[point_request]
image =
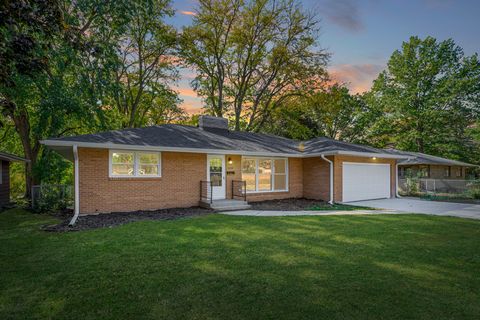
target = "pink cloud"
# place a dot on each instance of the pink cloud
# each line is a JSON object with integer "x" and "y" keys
{"x": 186, "y": 92}
{"x": 358, "y": 77}
{"x": 192, "y": 107}
{"x": 188, "y": 13}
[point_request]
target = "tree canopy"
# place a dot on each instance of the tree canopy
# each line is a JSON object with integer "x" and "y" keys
{"x": 251, "y": 55}
{"x": 428, "y": 98}
{"x": 331, "y": 112}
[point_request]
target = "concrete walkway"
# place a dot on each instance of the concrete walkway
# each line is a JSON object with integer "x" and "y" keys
{"x": 267, "y": 213}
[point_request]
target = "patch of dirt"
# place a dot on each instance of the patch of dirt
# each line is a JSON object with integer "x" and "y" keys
{"x": 292, "y": 204}
{"x": 108, "y": 220}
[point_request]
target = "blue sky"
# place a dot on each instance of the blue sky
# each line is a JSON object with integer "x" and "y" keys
{"x": 362, "y": 34}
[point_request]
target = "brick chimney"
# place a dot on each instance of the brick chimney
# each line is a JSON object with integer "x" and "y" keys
{"x": 210, "y": 122}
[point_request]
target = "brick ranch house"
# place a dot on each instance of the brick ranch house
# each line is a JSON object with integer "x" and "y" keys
{"x": 176, "y": 166}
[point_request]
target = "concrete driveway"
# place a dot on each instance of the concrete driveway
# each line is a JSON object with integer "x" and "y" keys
{"x": 463, "y": 210}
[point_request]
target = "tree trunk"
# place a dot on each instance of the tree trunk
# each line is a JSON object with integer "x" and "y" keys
{"x": 420, "y": 145}
{"x": 22, "y": 126}
{"x": 419, "y": 140}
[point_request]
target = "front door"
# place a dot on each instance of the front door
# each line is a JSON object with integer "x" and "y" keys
{"x": 216, "y": 175}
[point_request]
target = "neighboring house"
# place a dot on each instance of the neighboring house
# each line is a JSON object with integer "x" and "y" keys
{"x": 449, "y": 175}
{"x": 5, "y": 159}
{"x": 176, "y": 166}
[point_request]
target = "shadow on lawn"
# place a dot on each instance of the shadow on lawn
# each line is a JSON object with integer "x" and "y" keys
{"x": 223, "y": 267}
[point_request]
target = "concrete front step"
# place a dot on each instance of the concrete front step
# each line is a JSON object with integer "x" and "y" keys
{"x": 225, "y": 205}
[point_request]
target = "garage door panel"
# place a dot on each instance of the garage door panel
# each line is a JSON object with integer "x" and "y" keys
{"x": 365, "y": 181}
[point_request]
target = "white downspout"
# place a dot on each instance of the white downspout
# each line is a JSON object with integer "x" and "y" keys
{"x": 331, "y": 177}
{"x": 76, "y": 187}
{"x": 396, "y": 180}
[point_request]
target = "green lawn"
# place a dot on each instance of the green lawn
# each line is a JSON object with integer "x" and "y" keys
{"x": 230, "y": 267}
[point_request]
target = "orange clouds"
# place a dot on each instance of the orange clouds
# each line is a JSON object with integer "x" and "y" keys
{"x": 188, "y": 13}
{"x": 192, "y": 103}
{"x": 186, "y": 92}
{"x": 192, "y": 107}
{"x": 359, "y": 78}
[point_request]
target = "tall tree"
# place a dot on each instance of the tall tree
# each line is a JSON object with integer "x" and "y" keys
{"x": 427, "y": 97}
{"x": 27, "y": 32}
{"x": 332, "y": 112}
{"x": 205, "y": 46}
{"x": 251, "y": 55}
{"x": 146, "y": 62}
{"x": 59, "y": 72}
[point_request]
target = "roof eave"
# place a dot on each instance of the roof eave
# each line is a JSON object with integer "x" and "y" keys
{"x": 461, "y": 164}
{"x": 356, "y": 154}
{"x": 13, "y": 158}
{"x": 62, "y": 143}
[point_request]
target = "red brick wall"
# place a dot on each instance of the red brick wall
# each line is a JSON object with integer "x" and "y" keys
{"x": 316, "y": 178}
{"x": 179, "y": 185}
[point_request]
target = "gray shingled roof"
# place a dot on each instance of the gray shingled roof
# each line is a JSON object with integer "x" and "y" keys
{"x": 181, "y": 136}
{"x": 324, "y": 144}
{"x": 422, "y": 158}
{"x": 190, "y": 137}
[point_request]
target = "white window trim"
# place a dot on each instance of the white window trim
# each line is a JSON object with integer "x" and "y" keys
{"x": 273, "y": 174}
{"x": 135, "y": 165}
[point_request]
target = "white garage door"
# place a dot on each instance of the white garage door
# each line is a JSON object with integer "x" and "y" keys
{"x": 364, "y": 181}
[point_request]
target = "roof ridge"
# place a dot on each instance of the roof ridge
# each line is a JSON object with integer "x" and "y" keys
{"x": 347, "y": 143}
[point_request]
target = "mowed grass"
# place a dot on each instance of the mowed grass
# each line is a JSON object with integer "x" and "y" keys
{"x": 226, "y": 267}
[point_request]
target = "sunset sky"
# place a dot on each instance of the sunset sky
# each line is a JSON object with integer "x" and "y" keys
{"x": 362, "y": 34}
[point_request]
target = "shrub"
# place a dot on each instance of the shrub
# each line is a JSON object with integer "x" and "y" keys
{"x": 411, "y": 182}
{"x": 474, "y": 189}
{"x": 51, "y": 199}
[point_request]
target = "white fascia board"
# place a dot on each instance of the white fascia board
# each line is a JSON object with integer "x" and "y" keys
{"x": 58, "y": 143}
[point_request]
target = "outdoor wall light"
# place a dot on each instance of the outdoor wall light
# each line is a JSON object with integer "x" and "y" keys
{"x": 374, "y": 158}
{"x": 230, "y": 160}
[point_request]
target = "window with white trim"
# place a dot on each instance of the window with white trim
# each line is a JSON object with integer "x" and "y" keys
{"x": 124, "y": 163}
{"x": 249, "y": 173}
{"x": 280, "y": 176}
{"x": 265, "y": 174}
